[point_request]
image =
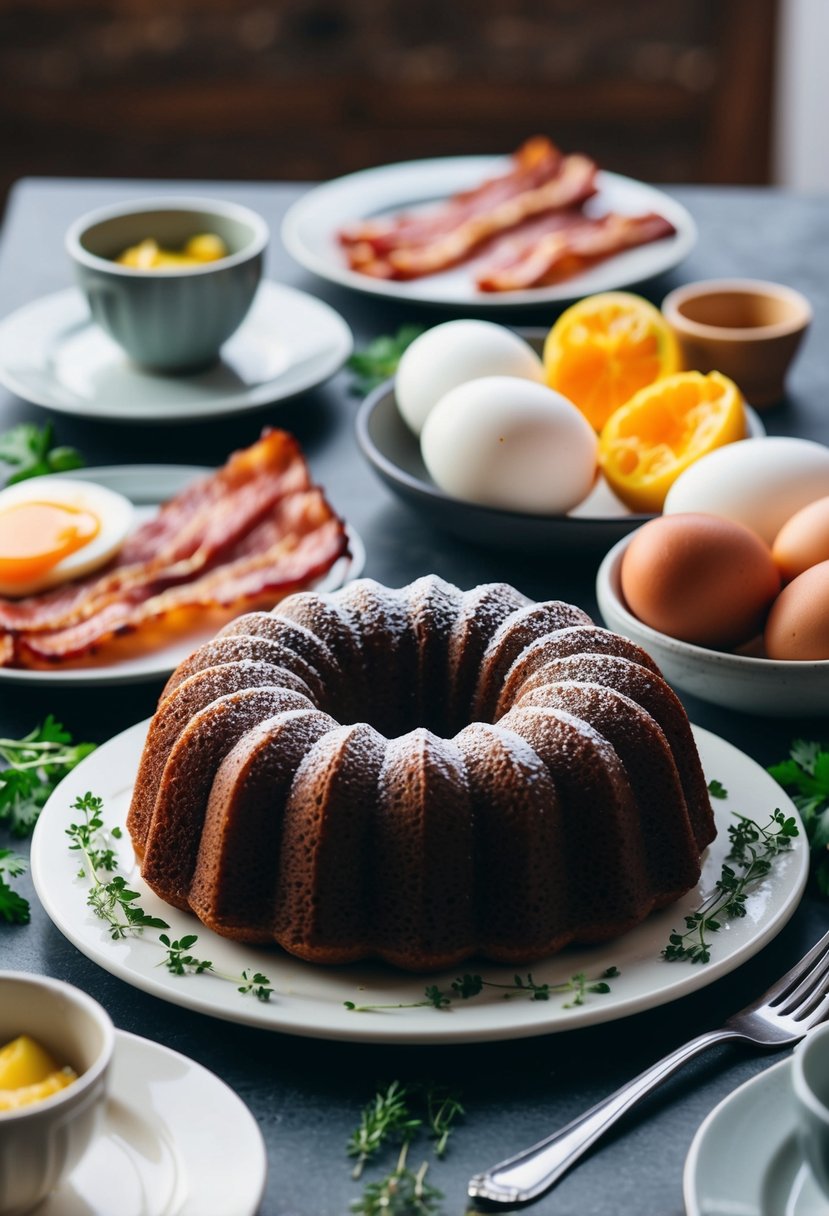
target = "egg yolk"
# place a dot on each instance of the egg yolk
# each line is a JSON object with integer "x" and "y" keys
{"x": 36, "y": 536}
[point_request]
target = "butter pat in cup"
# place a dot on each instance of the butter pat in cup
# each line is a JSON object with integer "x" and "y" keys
{"x": 810, "y": 1078}
{"x": 40, "y": 1143}
{"x": 747, "y": 329}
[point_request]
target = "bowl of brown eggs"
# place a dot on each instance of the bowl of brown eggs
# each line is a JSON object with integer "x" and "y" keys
{"x": 728, "y": 590}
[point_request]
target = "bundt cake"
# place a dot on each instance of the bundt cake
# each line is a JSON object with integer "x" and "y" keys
{"x": 419, "y": 775}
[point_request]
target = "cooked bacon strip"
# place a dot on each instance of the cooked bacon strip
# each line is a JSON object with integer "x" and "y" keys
{"x": 536, "y": 161}
{"x": 574, "y": 184}
{"x": 190, "y": 532}
{"x": 262, "y": 530}
{"x": 560, "y": 254}
{"x": 300, "y": 542}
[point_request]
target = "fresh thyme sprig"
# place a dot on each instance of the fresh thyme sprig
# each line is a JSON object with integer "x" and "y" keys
{"x": 403, "y": 1192}
{"x": 178, "y": 961}
{"x": 34, "y": 766}
{"x": 14, "y": 907}
{"x": 115, "y": 903}
{"x": 465, "y": 987}
{"x": 379, "y": 360}
{"x": 805, "y": 775}
{"x": 753, "y": 851}
{"x": 387, "y": 1116}
{"x": 443, "y": 1107}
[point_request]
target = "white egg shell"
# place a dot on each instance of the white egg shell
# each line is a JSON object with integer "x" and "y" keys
{"x": 509, "y": 443}
{"x": 114, "y": 512}
{"x": 757, "y": 482}
{"x": 452, "y": 353}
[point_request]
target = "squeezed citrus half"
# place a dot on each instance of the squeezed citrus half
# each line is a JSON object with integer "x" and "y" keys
{"x": 647, "y": 443}
{"x": 605, "y": 348}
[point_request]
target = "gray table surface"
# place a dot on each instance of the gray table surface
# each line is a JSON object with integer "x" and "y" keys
{"x": 307, "y": 1095}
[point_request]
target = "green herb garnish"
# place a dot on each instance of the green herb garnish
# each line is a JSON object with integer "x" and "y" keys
{"x": 403, "y": 1192}
{"x": 378, "y": 361}
{"x": 36, "y": 763}
{"x": 30, "y": 451}
{"x": 387, "y": 1116}
{"x": 716, "y": 789}
{"x": 753, "y": 852}
{"x": 443, "y": 1107}
{"x": 805, "y": 775}
{"x": 14, "y": 908}
{"x": 114, "y": 902}
{"x": 467, "y": 986}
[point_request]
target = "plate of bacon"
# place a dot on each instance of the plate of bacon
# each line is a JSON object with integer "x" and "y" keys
{"x": 205, "y": 545}
{"x": 539, "y": 226}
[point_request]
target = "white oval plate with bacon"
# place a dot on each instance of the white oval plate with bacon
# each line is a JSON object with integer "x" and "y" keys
{"x": 488, "y": 231}
{"x": 159, "y": 629}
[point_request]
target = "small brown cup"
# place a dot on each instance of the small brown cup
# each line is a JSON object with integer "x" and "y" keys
{"x": 745, "y": 328}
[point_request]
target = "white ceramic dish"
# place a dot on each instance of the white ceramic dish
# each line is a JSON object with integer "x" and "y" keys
{"x": 174, "y": 1141}
{"x": 773, "y": 687}
{"x": 147, "y": 486}
{"x": 745, "y": 1159}
{"x": 309, "y": 1000}
{"x": 309, "y": 231}
{"x": 53, "y": 354}
{"x": 393, "y": 451}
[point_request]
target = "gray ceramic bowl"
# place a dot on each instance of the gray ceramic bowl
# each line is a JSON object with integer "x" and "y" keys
{"x": 42, "y": 1142}
{"x": 169, "y": 320}
{"x": 769, "y": 687}
{"x": 393, "y": 451}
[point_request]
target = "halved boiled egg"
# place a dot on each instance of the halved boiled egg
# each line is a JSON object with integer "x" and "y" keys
{"x": 53, "y": 529}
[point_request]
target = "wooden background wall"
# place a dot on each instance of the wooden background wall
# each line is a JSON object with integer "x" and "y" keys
{"x": 666, "y": 90}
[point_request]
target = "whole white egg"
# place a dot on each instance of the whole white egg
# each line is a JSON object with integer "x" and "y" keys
{"x": 452, "y": 353}
{"x": 510, "y": 443}
{"x": 757, "y": 482}
{"x": 54, "y": 529}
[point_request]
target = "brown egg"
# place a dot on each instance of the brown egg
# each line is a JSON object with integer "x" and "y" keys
{"x": 798, "y": 624}
{"x": 803, "y": 541}
{"x": 699, "y": 578}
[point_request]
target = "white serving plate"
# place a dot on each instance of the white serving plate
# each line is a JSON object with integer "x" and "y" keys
{"x": 309, "y": 1000}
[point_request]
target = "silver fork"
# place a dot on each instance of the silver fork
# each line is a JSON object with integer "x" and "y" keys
{"x": 781, "y": 1017}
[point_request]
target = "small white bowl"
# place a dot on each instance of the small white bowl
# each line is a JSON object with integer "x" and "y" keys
{"x": 768, "y": 687}
{"x": 41, "y": 1143}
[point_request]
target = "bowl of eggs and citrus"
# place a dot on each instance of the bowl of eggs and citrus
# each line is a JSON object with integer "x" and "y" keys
{"x": 55, "y": 529}
{"x": 728, "y": 590}
{"x": 570, "y": 437}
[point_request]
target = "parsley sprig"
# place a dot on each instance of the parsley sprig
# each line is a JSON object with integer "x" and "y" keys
{"x": 464, "y": 987}
{"x": 34, "y": 766}
{"x": 379, "y": 360}
{"x": 111, "y": 899}
{"x": 30, "y": 450}
{"x": 753, "y": 851}
{"x": 14, "y": 908}
{"x": 805, "y": 775}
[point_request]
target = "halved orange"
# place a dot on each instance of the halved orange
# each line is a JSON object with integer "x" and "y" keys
{"x": 605, "y": 348}
{"x": 646, "y": 444}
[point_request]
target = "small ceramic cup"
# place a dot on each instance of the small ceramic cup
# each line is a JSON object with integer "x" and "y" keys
{"x": 42, "y": 1142}
{"x": 810, "y": 1079}
{"x": 169, "y": 320}
{"x": 745, "y": 328}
